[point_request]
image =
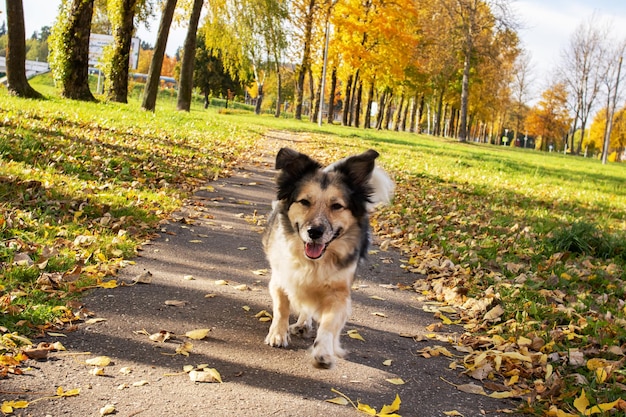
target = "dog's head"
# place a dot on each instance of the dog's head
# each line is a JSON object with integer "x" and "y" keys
{"x": 321, "y": 205}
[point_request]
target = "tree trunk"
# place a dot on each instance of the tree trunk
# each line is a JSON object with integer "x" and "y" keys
{"x": 387, "y": 113}
{"x": 75, "y": 80}
{"x": 357, "y": 107}
{"x": 413, "y": 113}
{"x": 154, "y": 73}
{"x": 317, "y": 107}
{"x": 355, "y": 82}
{"x": 185, "y": 84}
{"x": 259, "y": 99}
{"x": 368, "y": 109}
{"x": 381, "y": 110}
{"x": 306, "y": 59}
{"x": 465, "y": 94}
{"x": 398, "y": 114}
{"x": 346, "y": 102}
{"x": 16, "y": 52}
{"x": 420, "y": 111}
{"x": 117, "y": 78}
{"x": 331, "y": 96}
{"x": 279, "y": 88}
{"x": 438, "y": 115}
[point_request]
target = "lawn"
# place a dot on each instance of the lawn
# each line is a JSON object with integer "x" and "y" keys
{"x": 523, "y": 251}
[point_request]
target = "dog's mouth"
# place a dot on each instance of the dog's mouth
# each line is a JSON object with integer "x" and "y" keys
{"x": 314, "y": 250}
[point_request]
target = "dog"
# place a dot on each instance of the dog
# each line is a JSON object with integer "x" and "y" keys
{"x": 316, "y": 234}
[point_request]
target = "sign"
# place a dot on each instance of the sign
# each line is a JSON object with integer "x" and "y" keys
{"x": 97, "y": 42}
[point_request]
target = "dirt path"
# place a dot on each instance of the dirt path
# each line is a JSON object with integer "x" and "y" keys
{"x": 214, "y": 240}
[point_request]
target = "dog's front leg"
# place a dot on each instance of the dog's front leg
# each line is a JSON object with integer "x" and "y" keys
{"x": 279, "y": 330}
{"x": 327, "y": 346}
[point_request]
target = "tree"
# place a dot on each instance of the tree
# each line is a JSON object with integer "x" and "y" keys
{"x": 117, "y": 57}
{"x": 582, "y": 72}
{"x": 16, "y": 52}
{"x": 69, "y": 49}
{"x": 475, "y": 18}
{"x": 209, "y": 75}
{"x": 612, "y": 78}
{"x": 550, "y": 119}
{"x": 520, "y": 85}
{"x": 154, "y": 73}
{"x": 185, "y": 84}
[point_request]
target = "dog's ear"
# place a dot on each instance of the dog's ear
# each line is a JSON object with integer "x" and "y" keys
{"x": 293, "y": 165}
{"x": 358, "y": 168}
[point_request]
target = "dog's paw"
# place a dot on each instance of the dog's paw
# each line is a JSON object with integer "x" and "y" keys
{"x": 323, "y": 361}
{"x": 302, "y": 330}
{"x": 277, "y": 339}
{"x": 323, "y": 355}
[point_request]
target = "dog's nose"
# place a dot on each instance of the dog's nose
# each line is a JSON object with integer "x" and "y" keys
{"x": 315, "y": 232}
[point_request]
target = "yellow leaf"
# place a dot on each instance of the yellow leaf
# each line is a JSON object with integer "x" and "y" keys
{"x": 453, "y": 413}
{"x": 601, "y": 408}
{"x": 502, "y": 394}
{"x": 338, "y": 400}
{"x": 246, "y": 308}
{"x": 206, "y": 375}
{"x": 107, "y": 410}
{"x": 97, "y": 371}
{"x": 100, "y": 361}
{"x": 392, "y": 408}
{"x": 185, "y": 348}
{"x": 601, "y": 375}
{"x": 387, "y": 362}
{"x": 581, "y": 403}
{"x": 555, "y": 412}
{"x": 109, "y": 284}
{"x": 7, "y": 407}
{"x": 355, "y": 335}
{"x": 366, "y": 409}
{"x": 70, "y": 393}
{"x": 197, "y": 334}
{"x": 566, "y": 276}
{"x": 595, "y": 363}
{"x": 395, "y": 381}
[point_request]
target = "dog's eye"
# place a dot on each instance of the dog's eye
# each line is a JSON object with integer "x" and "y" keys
{"x": 305, "y": 202}
{"x": 336, "y": 207}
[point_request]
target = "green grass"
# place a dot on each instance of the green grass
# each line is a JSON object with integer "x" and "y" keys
{"x": 82, "y": 184}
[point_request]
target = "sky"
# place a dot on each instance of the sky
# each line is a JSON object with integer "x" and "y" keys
{"x": 547, "y": 26}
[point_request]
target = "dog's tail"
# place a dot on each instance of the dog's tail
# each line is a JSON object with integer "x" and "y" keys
{"x": 383, "y": 188}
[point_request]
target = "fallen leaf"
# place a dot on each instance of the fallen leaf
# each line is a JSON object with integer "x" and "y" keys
{"x": 100, "y": 361}
{"x": 355, "y": 335}
{"x": 185, "y": 348}
{"x": 197, "y": 334}
{"x": 221, "y": 282}
{"x": 161, "y": 336}
{"x": 95, "y": 320}
{"x": 97, "y": 371}
{"x": 107, "y": 409}
{"x": 70, "y": 393}
{"x": 395, "y": 381}
{"x": 108, "y": 284}
{"x": 581, "y": 403}
{"x": 140, "y": 383}
{"x": 392, "y": 408}
{"x": 175, "y": 303}
{"x": 242, "y": 287}
{"x": 126, "y": 370}
{"x": 453, "y": 413}
{"x": 338, "y": 400}
{"x": 387, "y": 362}
{"x": 206, "y": 375}
{"x": 8, "y": 407}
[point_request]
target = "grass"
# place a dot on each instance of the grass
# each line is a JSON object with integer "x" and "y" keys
{"x": 543, "y": 235}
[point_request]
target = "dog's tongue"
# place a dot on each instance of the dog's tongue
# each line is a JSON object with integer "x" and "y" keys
{"x": 313, "y": 250}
